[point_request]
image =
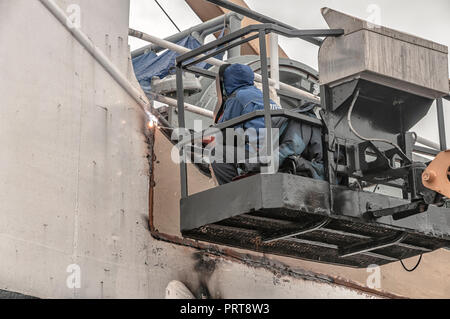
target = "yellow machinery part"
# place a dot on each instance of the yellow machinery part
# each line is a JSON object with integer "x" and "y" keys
{"x": 437, "y": 176}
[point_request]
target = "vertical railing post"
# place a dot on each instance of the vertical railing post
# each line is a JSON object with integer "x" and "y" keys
{"x": 235, "y": 24}
{"x": 266, "y": 94}
{"x": 441, "y": 124}
{"x": 274, "y": 60}
{"x": 181, "y": 126}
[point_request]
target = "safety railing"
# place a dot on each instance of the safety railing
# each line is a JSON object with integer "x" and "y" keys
{"x": 187, "y": 62}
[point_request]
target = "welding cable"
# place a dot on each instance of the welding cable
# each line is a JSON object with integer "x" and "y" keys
{"x": 168, "y": 16}
{"x": 349, "y": 120}
{"x": 415, "y": 267}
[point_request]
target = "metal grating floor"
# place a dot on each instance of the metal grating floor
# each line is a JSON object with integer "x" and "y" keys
{"x": 258, "y": 233}
{"x": 304, "y": 233}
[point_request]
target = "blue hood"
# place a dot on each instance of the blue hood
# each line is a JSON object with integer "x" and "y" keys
{"x": 237, "y": 76}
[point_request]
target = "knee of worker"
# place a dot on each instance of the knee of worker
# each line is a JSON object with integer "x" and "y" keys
{"x": 224, "y": 173}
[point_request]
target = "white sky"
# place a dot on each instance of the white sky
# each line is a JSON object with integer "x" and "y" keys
{"x": 426, "y": 19}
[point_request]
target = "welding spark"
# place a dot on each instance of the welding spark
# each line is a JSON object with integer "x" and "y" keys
{"x": 153, "y": 121}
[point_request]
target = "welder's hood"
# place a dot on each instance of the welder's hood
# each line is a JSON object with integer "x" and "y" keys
{"x": 237, "y": 76}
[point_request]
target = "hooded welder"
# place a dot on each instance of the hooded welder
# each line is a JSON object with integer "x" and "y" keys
{"x": 237, "y": 96}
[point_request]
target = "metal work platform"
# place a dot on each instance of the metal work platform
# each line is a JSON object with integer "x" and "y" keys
{"x": 329, "y": 221}
{"x": 302, "y": 218}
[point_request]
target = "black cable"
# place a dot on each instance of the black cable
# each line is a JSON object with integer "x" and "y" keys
{"x": 349, "y": 121}
{"x": 415, "y": 267}
{"x": 168, "y": 16}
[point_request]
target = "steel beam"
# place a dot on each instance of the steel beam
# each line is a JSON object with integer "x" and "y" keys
{"x": 286, "y": 235}
{"x": 268, "y": 28}
{"x": 343, "y": 233}
{"x": 182, "y": 124}
{"x": 250, "y": 116}
{"x": 274, "y": 113}
{"x": 361, "y": 248}
{"x": 261, "y": 18}
{"x": 425, "y": 150}
{"x": 406, "y": 209}
{"x": 414, "y": 247}
{"x": 379, "y": 256}
{"x": 218, "y": 51}
{"x": 332, "y": 246}
{"x": 312, "y": 243}
{"x": 441, "y": 124}
{"x": 235, "y": 24}
{"x": 274, "y": 60}
{"x": 359, "y": 236}
{"x": 426, "y": 142}
{"x": 266, "y": 98}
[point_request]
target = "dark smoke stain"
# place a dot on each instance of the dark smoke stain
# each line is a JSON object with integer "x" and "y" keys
{"x": 145, "y": 221}
{"x": 205, "y": 267}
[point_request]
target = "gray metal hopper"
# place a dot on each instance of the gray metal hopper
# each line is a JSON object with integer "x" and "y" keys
{"x": 383, "y": 56}
{"x": 398, "y": 76}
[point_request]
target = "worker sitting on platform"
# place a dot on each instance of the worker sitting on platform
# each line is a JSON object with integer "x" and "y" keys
{"x": 300, "y": 145}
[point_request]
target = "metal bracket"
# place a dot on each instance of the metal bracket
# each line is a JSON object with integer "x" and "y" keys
{"x": 362, "y": 248}
{"x": 399, "y": 212}
{"x": 286, "y": 235}
{"x": 383, "y": 166}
